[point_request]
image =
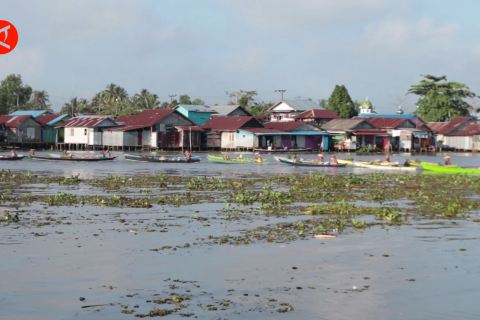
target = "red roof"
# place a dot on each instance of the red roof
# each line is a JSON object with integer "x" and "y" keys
{"x": 226, "y": 123}
{"x": 382, "y": 122}
{"x": 187, "y": 128}
{"x": 83, "y": 122}
{"x": 283, "y": 126}
{"x": 317, "y": 114}
{"x": 146, "y": 118}
{"x": 452, "y": 125}
{"x": 125, "y": 128}
{"x": 436, "y": 126}
{"x": 13, "y": 121}
{"x": 470, "y": 130}
{"x": 260, "y": 130}
{"x": 46, "y": 118}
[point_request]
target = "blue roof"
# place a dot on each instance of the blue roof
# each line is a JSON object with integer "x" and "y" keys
{"x": 370, "y": 115}
{"x": 196, "y": 108}
{"x": 57, "y": 119}
{"x": 33, "y": 113}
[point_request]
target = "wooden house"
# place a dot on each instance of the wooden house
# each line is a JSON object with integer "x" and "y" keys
{"x": 296, "y": 135}
{"x": 444, "y": 130}
{"x": 84, "y": 132}
{"x": 20, "y": 129}
{"x": 49, "y": 123}
{"x": 466, "y": 139}
{"x": 316, "y": 116}
{"x": 286, "y": 110}
{"x": 224, "y": 133}
{"x": 154, "y": 129}
{"x": 199, "y": 114}
{"x": 350, "y": 134}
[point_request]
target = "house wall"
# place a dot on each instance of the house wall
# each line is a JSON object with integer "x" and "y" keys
{"x": 146, "y": 137}
{"x": 214, "y": 140}
{"x": 458, "y": 142}
{"x": 195, "y": 137}
{"x": 245, "y": 139}
{"x": 113, "y": 138}
{"x": 76, "y": 135}
{"x": 27, "y": 131}
{"x": 300, "y": 141}
{"x": 198, "y": 117}
{"x": 168, "y": 140}
{"x": 238, "y": 112}
{"x": 228, "y": 140}
{"x": 314, "y": 142}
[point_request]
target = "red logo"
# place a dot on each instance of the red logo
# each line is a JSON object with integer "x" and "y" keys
{"x": 8, "y": 37}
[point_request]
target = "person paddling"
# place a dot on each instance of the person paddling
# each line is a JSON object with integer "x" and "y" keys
{"x": 320, "y": 158}
{"x": 334, "y": 160}
{"x": 407, "y": 163}
{"x": 14, "y": 154}
{"x": 387, "y": 158}
{"x": 188, "y": 156}
{"x": 447, "y": 161}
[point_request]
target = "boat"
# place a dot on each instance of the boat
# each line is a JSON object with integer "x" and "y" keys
{"x": 373, "y": 166}
{"x": 419, "y": 164}
{"x": 449, "y": 170}
{"x": 311, "y": 163}
{"x": 10, "y": 158}
{"x": 87, "y": 159}
{"x": 379, "y": 163}
{"x": 283, "y": 150}
{"x": 227, "y": 160}
{"x": 345, "y": 161}
{"x": 162, "y": 159}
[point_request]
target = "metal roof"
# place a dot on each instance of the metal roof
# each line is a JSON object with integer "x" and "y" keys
{"x": 386, "y": 122}
{"x": 225, "y": 110}
{"x": 283, "y": 126}
{"x": 317, "y": 114}
{"x": 297, "y": 105}
{"x": 196, "y": 108}
{"x": 452, "y": 125}
{"x": 343, "y": 124}
{"x": 470, "y": 130}
{"x": 227, "y": 123}
{"x": 85, "y": 122}
{"x": 147, "y": 117}
{"x": 51, "y": 119}
{"x": 33, "y": 113}
{"x": 12, "y": 121}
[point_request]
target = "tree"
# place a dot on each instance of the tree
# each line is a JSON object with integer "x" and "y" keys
{"x": 322, "y": 103}
{"x": 341, "y": 104}
{"x": 70, "y": 107}
{"x": 39, "y": 100}
{"x": 145, "y": 100}
{"x": 13, "y": 94}
{"x": 259, "y": 109}
{"x": 441, "y": 101}
{"x": 114, "y": 99}
{"x": 242, "y": 98}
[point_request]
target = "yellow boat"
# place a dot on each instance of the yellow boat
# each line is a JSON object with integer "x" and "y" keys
{"x": 345, "y": 161}
{"x": 379, "y": 163}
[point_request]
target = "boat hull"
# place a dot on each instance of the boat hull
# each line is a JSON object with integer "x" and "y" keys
{"x": 72, "y": 159}
{"x": 235, "y": 161}
{"x": 449, "y": 170}
{"x": 419, "y": 164}
{"x": 283, "y": 150}
{"x": 157, "y": 159}
{"x": 311, "y": 164}
{"x": 10, "y": 158}
{"x": 371, "y": 166}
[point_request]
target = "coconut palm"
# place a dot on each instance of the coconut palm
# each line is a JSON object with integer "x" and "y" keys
{"x": 39, "y": 100}
{"x": 146, "y": 100}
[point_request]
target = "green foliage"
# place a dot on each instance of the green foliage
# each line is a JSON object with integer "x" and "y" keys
{"x": 441, "y": 101}
{"x": 8, "y": 94}
{"x": 341, "y": 103}
{"x": 260, "y": 109}
{"x": 242, "y": 98}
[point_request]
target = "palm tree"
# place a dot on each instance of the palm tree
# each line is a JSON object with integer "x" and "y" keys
{"x": 146, "y": 100}
{"x": 113, "y": 97}
{"x": 70, "y": 107}
{"x": 39, "y": 100}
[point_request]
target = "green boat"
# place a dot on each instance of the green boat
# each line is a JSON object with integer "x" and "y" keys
{"x": 419, "y": 164}
{"x": 449, "y": 170}
{"x": 229, "y": 160}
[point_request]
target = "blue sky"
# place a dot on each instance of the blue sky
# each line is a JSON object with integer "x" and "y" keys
{"x": 203, "y": 48}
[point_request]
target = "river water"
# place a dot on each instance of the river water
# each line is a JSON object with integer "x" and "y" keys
{"x": 423, "y": 271}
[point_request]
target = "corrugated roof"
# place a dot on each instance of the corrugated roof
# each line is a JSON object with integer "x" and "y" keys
{"x": 452, "y": 125}
{"x": 342, "y": 124}
{"x": 50, "y": 119}
{"x": 373, "y": 132}
{"x": 126, "y": 128}
{"x": 33, "y": 113}
{"x": 283, "y": 126}
{"x": 385, "y": 122}
{"x": 187, "y": 128}
{"x": 317, "y": 114}
{"x": 196, "y": 108}
{"x": 225, "y": 110}
{"x": 147, "y": 117}
{"x": 12, "y": 121}
{"x": 84, "y": 122}
{"x": 470, "y": 130}
{"x": 226, "y": 123}
{"x": 298, "y": 105}
{"x": 436, "y": 126}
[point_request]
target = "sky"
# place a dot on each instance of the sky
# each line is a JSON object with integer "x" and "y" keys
{"x": 376, "y": 48}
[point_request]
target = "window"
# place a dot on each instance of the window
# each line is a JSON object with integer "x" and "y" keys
{"x": 31, "y": 133}
{"x": 72, "y": 133}
{"x": 232, "y": 136}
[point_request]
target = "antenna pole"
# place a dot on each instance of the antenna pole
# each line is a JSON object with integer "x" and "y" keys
{"x": 281, "y": 92}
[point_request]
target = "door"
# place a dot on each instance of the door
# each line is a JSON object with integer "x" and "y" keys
{"x": 139, "y": 137}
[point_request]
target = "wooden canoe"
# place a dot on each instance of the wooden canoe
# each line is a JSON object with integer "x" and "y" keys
{"x": 159, "y": 159}
{"x": 96, "y": 159}
{"x": 311, "y": 163}
{"x": 372, "y": 166}
{"x": 449, "y": 170}
{"x": 10, "y": 158}
{"x": 235, "y": 161}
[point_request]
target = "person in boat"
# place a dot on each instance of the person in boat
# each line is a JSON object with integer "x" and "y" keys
{"x": 107, "y": 153}
{"x": 268, "y": 144}
{"x": 102, "y": 154}
{"x": 320, "y": 158}
{"x": 447, "y": 161}
{"x": 188, "y": 156}
{"x": 66, "y": 154}
{"x": 32, "y": 152}
{"x": 407, "y": 163}
{"x": 14, "y": 154}
{"x": 285, "y": 148}
{"x": 258, "y": 157}
{"x": 387, "y": 158}
{"x": 333, "y": 160}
